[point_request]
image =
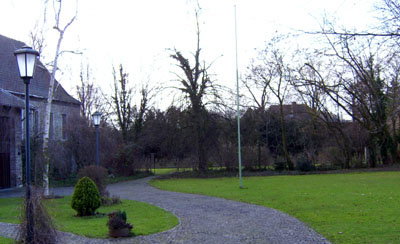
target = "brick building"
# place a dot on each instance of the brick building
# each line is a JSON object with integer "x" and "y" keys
{"x": 12, "y": 105}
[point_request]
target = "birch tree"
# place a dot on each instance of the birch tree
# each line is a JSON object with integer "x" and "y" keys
{"x": 61, "y": 30}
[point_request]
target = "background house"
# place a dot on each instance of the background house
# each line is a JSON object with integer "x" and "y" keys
{"x": 294, "y": 111}
{"x": 12, "y": 105}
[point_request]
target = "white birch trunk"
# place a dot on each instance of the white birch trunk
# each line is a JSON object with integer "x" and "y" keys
{"x": 50, "y": 96}
{"x": 46, "y": 133}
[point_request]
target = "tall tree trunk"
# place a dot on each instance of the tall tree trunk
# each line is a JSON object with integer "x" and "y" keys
{"x": 46, "y": 133}
{"x": 385, "y": 144}
{"x": 346, "y": 147}
{"x": 394, "y": 141}
{"x": 289, "y": 162}
{"x": 372, "y": 151}
{"x": 259, "y": 153}
{"x": 200, "y": 138}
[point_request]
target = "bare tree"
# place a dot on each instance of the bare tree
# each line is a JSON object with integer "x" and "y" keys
{"x": 388, "y": 12}
{"x": 358, "y": 89}
{"x": 195, "y": 84}
{"x": 139, "y": 116}
{"x": 274, "y": 75}
{"x": 259, "y": 95}
{"x": 89, "y": 96}
{"x": 307, "y": 86}
{"x": 122, "y": 101}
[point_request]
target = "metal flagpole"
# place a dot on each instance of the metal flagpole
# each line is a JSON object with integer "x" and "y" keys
{"x": 238, "y": 105}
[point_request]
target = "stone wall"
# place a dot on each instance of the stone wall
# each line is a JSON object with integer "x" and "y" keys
{"x": 14, "y": 114}
{"x": 59, "y": 110}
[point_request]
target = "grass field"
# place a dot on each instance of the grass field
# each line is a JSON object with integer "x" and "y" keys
{"x": 4, "y": 240}
{"x": 345, "y": 208}
{"x": 146, "y": 218}
{"x": 164, "y": 171}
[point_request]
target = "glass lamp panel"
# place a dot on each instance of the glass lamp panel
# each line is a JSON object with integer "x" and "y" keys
{"x": 96, "y": 118}
{"x": 30, "y": 64}
{"x": 26, "y": 59}
{"x": 21, "y": 64}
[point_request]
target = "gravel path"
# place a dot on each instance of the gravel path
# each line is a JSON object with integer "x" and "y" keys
{"x": 202, "y": 219}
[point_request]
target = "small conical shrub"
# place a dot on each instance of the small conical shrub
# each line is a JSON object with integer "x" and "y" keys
{"x": 86, "y": 198}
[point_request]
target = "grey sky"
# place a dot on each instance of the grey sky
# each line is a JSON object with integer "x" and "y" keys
{"x": 138, "y": 34}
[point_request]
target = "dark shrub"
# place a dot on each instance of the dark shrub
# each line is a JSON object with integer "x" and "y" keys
{"x": 96, "y": 173}
{"x": 280, "y": 166}
{"x": 108, "y": 201}
{"x": 117, "y": 225}
{"x": 117, "y": 220}
{"x": 122, "y": 215}
{"x": 43, "y": 228}
{"x": 86, "y": 198}
{"x": 304, "y": 164}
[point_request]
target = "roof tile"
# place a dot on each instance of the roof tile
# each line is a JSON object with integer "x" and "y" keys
{"x": 9, "y": 75}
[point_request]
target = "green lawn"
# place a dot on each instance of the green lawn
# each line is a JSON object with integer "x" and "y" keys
{"x": 164, "y": 171}
{"x": 4, "y": 240}
{"x": 345, "y": 208}
{"x": 146, "y": 218}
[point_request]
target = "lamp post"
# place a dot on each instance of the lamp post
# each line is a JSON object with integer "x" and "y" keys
{"x": 96, "y": 121}
{"x": 26, "y": 58}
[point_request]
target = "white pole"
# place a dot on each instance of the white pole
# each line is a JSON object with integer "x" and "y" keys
{"x": 238, "y": 105}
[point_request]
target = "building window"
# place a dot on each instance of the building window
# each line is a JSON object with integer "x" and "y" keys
{"x": 63, "y": 124}
{"x": 36, "y": 122}
{"x": 51, "y": 132}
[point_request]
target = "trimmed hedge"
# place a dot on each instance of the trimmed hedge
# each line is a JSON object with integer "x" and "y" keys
{"x": 86, "y": 198}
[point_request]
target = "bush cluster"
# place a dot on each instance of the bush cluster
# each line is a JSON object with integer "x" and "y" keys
{"x": 280, "y": 166}
{"x": 98, "y": 174}
{"x": 86, "y": 197}
{"x": 44, "y": 231}
{"x": 117, "y": 220}
{"x": 108, "y": 201}
{"x": 304, "y": 164}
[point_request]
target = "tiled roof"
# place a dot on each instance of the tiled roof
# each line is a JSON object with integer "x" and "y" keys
{"x": 11, "y": 82}
{"x": 294, "y": 110}
{"x": 7, "y": 99}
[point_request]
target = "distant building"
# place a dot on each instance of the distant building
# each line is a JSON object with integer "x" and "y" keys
{"x": 294, "y": 111}
{"x": 12, "y": 106}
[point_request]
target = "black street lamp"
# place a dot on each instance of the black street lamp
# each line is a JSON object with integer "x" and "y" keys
{"x": 26, "y": 58}
{"x": 96, "y": 121}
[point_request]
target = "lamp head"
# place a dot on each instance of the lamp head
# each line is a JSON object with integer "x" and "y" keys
{"x": 26, "y": 59}
{"x": 96, "y": 118}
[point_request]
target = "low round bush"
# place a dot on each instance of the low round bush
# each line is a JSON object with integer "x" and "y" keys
{"x": 98, "y": 174}
{"x": 86, "y": 198}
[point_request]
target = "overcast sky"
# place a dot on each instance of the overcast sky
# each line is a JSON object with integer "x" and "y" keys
{"x": 139, "y": 34}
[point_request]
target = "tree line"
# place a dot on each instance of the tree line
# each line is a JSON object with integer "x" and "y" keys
{"x": 347, "y": 85}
